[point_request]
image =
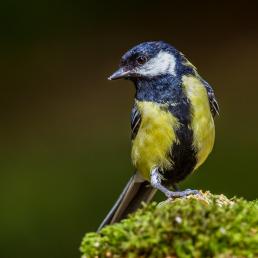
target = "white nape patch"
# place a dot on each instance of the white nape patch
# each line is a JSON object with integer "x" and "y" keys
{"x": 162, "y": 63}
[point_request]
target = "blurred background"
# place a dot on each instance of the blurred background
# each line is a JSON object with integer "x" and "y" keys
{"x": 65, "y": 129}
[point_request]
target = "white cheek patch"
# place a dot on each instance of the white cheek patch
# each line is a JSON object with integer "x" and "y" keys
{"x": 162, "y": 63}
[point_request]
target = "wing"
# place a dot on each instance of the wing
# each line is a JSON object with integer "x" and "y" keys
{"x": 135, "y": 121}
{"x": 214, "y": 106}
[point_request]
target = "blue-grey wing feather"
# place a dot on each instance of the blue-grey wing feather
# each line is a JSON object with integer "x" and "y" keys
{"x": 135, "y": 121}
{"x": 214, "y": 106}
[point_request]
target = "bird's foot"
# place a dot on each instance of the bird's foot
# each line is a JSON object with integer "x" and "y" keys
{"x": 179, "y": 194}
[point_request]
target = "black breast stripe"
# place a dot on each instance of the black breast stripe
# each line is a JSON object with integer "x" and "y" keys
{"x": 183, "y": 154}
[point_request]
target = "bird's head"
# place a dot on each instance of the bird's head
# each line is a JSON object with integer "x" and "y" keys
{"x": 149, "y": 60}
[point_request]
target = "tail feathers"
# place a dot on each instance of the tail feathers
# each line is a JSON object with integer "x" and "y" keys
{"x": 135, "y": 192}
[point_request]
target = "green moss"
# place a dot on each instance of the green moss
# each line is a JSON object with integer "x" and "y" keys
{"x": 211, "y": 226}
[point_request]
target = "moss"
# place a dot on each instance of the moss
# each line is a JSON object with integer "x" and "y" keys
{"x": 208, "y": 226}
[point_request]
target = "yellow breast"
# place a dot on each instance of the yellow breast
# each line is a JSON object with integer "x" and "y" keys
{"x": 202, "y": 121}
{"x": 154, "y": 139}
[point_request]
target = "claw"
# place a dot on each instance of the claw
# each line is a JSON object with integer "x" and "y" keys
{"x": 185, "y": 193}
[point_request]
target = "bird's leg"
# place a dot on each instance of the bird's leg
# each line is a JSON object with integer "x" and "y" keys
{"x": 156, "y": 178}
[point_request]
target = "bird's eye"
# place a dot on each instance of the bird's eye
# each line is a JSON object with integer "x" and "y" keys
{"x": 141, "y": 60}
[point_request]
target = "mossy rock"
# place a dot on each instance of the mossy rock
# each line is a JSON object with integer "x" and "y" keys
{"x": 207, "y": 226}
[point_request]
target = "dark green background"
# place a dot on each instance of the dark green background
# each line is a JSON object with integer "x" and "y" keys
{"x": 65, "y": 137}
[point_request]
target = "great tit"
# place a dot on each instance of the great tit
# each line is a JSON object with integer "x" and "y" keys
{"x": 172, "y": 124}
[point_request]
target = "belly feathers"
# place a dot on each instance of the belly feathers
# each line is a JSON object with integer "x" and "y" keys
{"x": 202, "y": 122}
{"x": 157, "y": 132}
{"x": 152, "y": 144}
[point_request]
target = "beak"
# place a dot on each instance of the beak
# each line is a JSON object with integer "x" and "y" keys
{"x": 120, "y": 73}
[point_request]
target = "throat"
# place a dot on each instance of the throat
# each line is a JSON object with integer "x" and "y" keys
{"x": 159, "y": 89}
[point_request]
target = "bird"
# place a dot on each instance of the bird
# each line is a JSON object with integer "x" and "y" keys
{"x": 172, "y": 124}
